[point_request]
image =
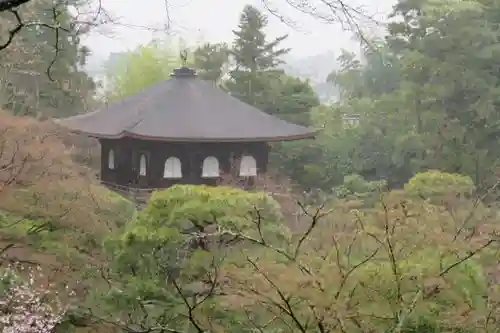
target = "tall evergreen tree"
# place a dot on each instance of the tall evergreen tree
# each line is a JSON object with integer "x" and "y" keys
{"x": 255, "y": 58}
{"x": 41, "y": 71}
{"x": 251, "y": 50}
{"x": 257, "y": 80}
{"x": 210, "y": 60}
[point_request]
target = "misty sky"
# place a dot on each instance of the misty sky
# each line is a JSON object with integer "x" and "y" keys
{"x": 213, "y": 20}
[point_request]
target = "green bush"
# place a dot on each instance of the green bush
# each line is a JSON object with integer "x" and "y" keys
{"x": 355, "y": 187}
{"x": 191, "y": 206}
{"x": 418, "y": 275}
{"x": 431, "y": 184}
{"x": 161, "y": 244}
{"x": 178, "y": 214}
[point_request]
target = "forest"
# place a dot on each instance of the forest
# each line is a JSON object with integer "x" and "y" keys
{"x": 387, "y": 222}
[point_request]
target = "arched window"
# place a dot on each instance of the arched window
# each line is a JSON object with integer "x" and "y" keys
{"x": 210, "y": 167}
{"x": 142, "y": 165}
{"x": 111, "y": 159}
{"x": 172, "y": 168}
{"x": 248, "y": 166}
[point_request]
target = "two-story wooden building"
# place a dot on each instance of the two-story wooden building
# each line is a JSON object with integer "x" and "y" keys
{"x": 182, "y": 130}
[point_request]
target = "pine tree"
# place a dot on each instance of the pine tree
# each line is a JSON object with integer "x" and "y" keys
{"x": 210, "y": 61}
{"x": 251, "y": 50}
{"x": 255, "y": 59}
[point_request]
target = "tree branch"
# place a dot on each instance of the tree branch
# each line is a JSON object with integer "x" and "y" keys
{"x": 6, "y": 5}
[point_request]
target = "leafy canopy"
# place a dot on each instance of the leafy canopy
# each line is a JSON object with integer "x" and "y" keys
{"x": 141, "y": 68}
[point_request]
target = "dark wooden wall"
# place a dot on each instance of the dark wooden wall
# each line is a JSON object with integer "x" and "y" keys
{"x": 128, "y": 152}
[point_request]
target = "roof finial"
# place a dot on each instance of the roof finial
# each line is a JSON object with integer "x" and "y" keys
{"x": 184, "y": 56}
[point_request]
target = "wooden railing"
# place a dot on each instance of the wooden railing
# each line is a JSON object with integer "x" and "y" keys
{"x": 136, "y": 194}
{"x": 140, "y": 196}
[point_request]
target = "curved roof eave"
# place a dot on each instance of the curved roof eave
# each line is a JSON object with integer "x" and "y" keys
{"x": 126, "y": 134}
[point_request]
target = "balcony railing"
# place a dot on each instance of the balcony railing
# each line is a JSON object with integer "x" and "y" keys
{"x": 140, "y": 196}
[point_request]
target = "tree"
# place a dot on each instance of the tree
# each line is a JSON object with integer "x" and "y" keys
{"x": 257, "y": 81}
{"x": 210, "y": 60}
{"x": 451, "y": 80}
{"x": 375, "y": 74}
{"x": 139, "y": 69}
{"x": 166, "y": 267}
{"x": 383, "y": 273}
{"x": 381, "y": 147}
{"x": 48, "y": 19}
{"x": 33, "y": 82}
{"x": 43, "y": 190}
{"x": 326, "y": 11}
{"x": 25, "y": 307}
{"x": 251, "y": 51}
{"x": 427, "y": 97}
{"x": 291, "y": 99}
{"x": 432, "y": 184}
{"x": 255, "y": 59}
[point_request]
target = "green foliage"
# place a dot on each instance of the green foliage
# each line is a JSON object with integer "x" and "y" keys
{"x": 437, "y": 184}
{"x": 256, "y": 79}
{"x": 210, "y": 61}
{"x": 66, "y": 222}
{"x": 146, "y": 65}
{"x": 189, "y": 206}
{"x": 258, "y": 82}
{"x": 426, "y": 95}
{"x": 356, "y": 186}
{"x": 421, "y": 271}
{"x": 117, "y": 209}
{"x": 454, "y": 78}
{"x": 427, "y": 98}
{"x": 398, "y": 263}
{"x": 179, "y": 237}
{"x": 25, "y": 86}
{"x": 291, "y": 99}
{"x": 297, "y": 160}
{"x": 251, "y": 50}
{"x": 378, "y": 75}
{"x": 382, "y": 146}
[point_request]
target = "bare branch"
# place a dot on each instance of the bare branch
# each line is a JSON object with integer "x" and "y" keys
{"x": 75, "y": 27}
{"x": 6, "y": 5}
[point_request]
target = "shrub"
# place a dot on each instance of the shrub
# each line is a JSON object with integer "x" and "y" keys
{"x": 182, "y": 236}
{"x": 356, "y": 186}
{"x": 466, "y": 284}
{"x": 198, "y": 207}
{"x": 39, "y": 180}
{"x": 368, "y": 269}
{"x": 52, "y": 210}
{"x": 432, "y": 184}
{"x": 405, "y": 265}
{"x": 185, "y": 217}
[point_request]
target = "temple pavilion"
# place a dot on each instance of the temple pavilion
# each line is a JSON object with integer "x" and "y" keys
{"x": 181, "y": 131}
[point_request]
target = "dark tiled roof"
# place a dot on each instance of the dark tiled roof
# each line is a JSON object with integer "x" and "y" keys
{"x": 185, "y": 108}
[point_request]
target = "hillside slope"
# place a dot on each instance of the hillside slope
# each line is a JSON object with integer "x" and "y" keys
{"x": 53, "y": 212}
